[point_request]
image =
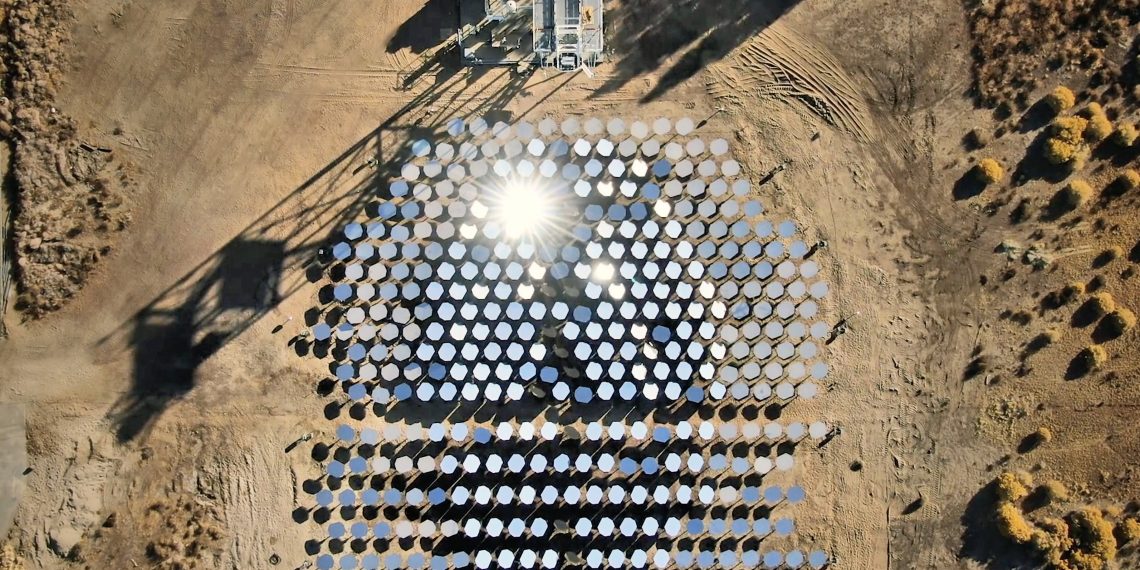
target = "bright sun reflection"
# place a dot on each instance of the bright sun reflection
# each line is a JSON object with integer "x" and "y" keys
{"x": 524, "y": 210}
{"x": 604, "y": 272}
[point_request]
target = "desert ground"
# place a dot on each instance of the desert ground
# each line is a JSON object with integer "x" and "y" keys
{"x": 157, "y": 153}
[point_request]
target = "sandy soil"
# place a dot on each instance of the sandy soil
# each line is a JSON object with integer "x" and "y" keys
{"x": 245, "y": 121}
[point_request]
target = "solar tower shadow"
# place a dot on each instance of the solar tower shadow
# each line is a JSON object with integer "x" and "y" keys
{"x": 691, "y": 33}
{"x": 415, "y": 33}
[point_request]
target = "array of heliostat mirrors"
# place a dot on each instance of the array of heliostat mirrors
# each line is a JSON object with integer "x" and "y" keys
{"x": 588, "y": 268}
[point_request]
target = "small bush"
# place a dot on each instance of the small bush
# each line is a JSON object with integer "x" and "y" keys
{"x": 1024, "y": 478}
{"x": 1108, "y": 255}
{"x": 1054, "y": 491}
{"x": 1120, "y": 321}
{"x": 1012, "y": 525}
{"x": 1074, "y": 195}
{"x": 1067, "y": 145}
{"x": 1128, "y": 180}
{"x": 1061, "y": 99}
{"x": 1072, "y": 291}
{"x": 1093, "y": 357}
{"x": 989, "y": 171}
{"x": 1060, "y": 151}
{"x": 1125, "y": 134}
{"x": 1043, "y": 435}
{"x": 1102, "y": 304}
{"x": 1069, "y": 128}
{"x": 1081, "y": 560}
{"x": 1010, "y": 488}
{"x": 1052, "y": 540}
{"x": 1128, "y": 530}
{"x": 1089, "y": 527}
{"x": 1099, "y": 127}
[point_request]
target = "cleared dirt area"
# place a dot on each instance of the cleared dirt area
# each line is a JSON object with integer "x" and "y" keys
{"x": 163, "y": 378}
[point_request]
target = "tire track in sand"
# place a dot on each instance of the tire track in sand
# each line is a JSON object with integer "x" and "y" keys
{"x": 256, "y": 488}
{"x": 779, "y": 64}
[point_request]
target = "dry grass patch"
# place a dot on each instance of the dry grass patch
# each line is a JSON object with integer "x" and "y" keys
{"x": 1015, "y": 40}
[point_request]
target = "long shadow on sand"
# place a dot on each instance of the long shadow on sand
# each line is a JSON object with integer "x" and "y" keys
{"x": 279, "y": 252}
{"x": 686, "y": 35}
{"x": 430, "y": 25}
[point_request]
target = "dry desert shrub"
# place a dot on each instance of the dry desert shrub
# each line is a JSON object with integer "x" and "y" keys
{"x": 1080, "y": 560}
{"x": 1119, "y": 321}
{"x": 989, "y": 171}
{"x": 1061, "y": 99}
{"x": 1012, "y": 524}
{"x": 1128, "y": 530}
{"x": 1125, "y": 134}
{"x": 9, "y": 560}
{"x": 1099, "y": 127}
{"x": 1093, "y": 533}
{"x": 1067, "y": 144}
{"x": 1093, "y": 357}
{"x": 1014, "y": 40}
{"x": 1050, "y": 337}
{"x": 1082, "y": 540}
{"x": 1010, "y": 487}
{"x": 1108, "y": 255}
{"x": 68, "y": 203}
{"x": 1051, "y": 539}
{"x": 1069, "y": 128}
{"x": 1074, "y": 195}
{"x": 1054, "y": 491}
{"x": 1073, "y": 290}
{"x": 1043, "y": 435}
{"x": 189, "y": 534}
{"x": 1128, "y": 180}
{"x": 1101, "y": 304}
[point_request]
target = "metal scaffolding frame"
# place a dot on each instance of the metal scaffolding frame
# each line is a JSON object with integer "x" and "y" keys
{"x": 567, "y": 34}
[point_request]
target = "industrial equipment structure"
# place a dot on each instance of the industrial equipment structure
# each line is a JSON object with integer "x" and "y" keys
{"x": 568, "y": 33}
{"x": 562, "y": 34}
